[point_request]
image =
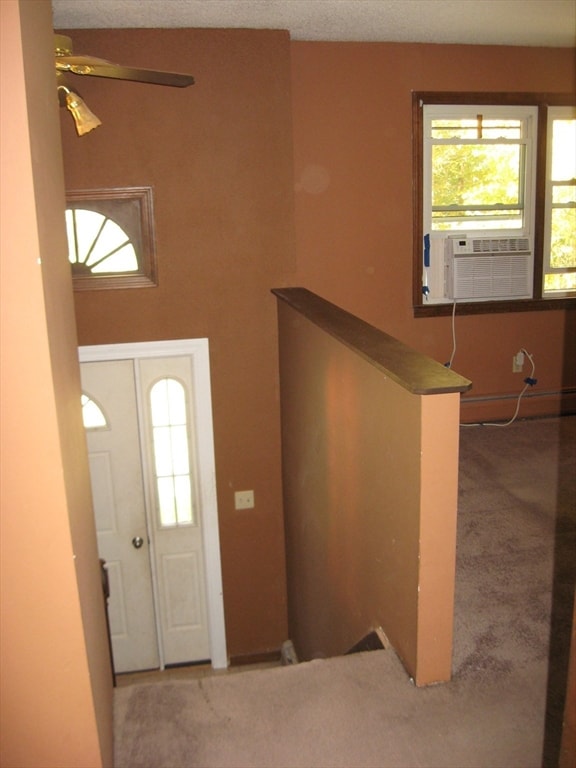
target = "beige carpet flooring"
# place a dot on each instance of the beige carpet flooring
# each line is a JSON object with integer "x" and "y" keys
{"x": 502, "y": 709}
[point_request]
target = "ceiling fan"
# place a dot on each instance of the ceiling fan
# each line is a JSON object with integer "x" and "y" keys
{"x": 68, "y": 63}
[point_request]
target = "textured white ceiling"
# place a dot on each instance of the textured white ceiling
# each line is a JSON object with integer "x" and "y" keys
{"x": 475, "y": 22}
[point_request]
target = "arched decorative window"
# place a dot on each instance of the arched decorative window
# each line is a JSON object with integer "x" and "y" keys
{"x": 170, "y": 444}
{"x": 97, "y": 245}
{"x": 92, "y": 415}
{"x": 110, "y": 238}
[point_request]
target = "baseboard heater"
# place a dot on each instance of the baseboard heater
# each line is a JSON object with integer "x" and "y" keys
{"x": 559, "y": 393}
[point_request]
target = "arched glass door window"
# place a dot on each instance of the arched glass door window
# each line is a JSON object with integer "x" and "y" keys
{"x": 170, "y": 443}
{"x": 110, "y": 238}
{"x": 92, "y": 415}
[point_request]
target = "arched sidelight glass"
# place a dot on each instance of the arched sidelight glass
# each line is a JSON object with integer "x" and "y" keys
{"x": 92, "y": 415}
{"x": 169, "y": 418}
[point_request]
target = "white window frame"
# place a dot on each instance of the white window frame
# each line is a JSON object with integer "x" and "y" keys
{"x": 554, "y": 113}
{"x": 528, "y": 117}
{"x": 432, "y": 288}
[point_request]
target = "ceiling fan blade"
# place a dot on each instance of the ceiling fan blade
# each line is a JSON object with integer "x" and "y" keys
{"x": 93, "y": 67}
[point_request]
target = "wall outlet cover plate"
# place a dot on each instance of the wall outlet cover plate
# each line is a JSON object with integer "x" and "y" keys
{"x": 244, "y": 500}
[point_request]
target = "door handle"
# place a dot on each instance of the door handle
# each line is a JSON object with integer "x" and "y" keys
{"x": 137, "y": 542}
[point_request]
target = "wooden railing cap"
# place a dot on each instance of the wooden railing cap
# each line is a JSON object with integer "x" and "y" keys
{"x": 418, "y": 373}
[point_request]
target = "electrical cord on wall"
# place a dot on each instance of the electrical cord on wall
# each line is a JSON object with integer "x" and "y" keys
{"x": 449, "y": 363}
{"x": 529, "y": 381}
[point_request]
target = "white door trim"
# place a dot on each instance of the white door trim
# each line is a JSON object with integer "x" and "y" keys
{"x": 198, "y": 349}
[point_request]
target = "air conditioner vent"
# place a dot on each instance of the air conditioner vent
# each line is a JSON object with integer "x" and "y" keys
{"x": 481, "y": 269}
{"x": 461, "y": 246}
{"x": 494, "y": 277}
{"x": 500, "y": 245}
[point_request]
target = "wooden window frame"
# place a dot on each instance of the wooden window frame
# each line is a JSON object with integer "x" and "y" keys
{"x": 131, "y": 208}
{"x": 537, "y": 302}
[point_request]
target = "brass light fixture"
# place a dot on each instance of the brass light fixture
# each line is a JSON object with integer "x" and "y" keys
{"x": 84, "y": 119}
{"x": 67, "y": 63}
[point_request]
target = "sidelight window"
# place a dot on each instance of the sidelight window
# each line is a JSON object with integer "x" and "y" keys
{"x": 170, "y": 442}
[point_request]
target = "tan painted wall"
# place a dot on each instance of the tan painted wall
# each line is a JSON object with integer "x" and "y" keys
{"x": 56, "y": 691}
{"x": 353, "y": 204}
{"x": 370, "y": 493}
{"x": 218, "y": 156}
{"x": 227, "y": 230}
{"x": 439, "y": 446}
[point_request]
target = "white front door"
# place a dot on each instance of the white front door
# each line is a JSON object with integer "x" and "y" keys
{"x": 176, "y": 514}
{"x": 157, "y": 523}
{"x": 120, "y": 513}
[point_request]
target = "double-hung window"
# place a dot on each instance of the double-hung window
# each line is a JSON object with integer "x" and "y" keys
{"x": 478, "y": 166}
{"x": 495, "y": 201}
{"x": 559, "y": 264}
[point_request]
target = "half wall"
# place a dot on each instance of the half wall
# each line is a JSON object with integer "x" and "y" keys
{"x": 370, "y": 473}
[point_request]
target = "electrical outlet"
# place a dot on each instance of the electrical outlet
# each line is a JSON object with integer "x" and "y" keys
{"x": 518, "y": 362}
{"x": 244, "y": 500}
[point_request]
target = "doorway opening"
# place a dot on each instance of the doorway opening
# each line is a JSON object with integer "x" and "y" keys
{"x": 153, "y": 481}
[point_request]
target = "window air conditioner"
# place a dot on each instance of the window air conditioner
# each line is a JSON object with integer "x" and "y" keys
{"x": 483, "y": 268}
